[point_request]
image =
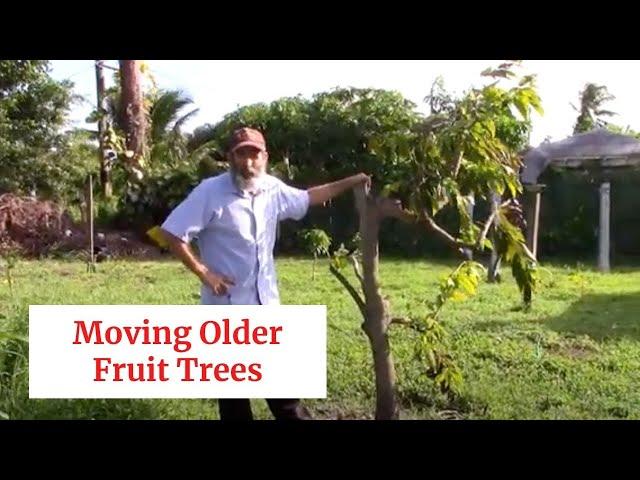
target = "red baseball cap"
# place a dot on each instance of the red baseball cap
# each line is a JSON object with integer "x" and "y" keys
{"x": 247, "y": 137}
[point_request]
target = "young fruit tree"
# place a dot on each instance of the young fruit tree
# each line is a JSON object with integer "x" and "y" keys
{"x": 317, "y": 242}
{"x": 463, "y": 152}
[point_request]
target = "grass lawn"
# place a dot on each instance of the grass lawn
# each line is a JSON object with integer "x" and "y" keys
{"x": 574, "y": 355}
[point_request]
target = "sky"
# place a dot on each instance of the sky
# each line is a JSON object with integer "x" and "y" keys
{"x": 218, "y": 87}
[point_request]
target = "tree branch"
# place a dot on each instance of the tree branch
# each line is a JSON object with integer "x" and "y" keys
{"x": 401, "y": 320}
{"x": 528, "y": 253}
{"x": 352, "y": 291}
{"x": 357, "y": 270}
{"x": 490, "y": 221}
{"x": 388, "y": 207}
{"x": 486, "y": 228}
{"x": 446, "y": 236}
{"x": 418, "y": 327}
{"x": 456, "y": 168}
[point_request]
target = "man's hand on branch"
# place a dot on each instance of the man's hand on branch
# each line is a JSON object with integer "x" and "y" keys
{"x": 321, "y": 194}
{"x": 363, "y": 178}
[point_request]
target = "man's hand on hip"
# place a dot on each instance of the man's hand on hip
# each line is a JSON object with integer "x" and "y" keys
{"x": 218, "y": 283}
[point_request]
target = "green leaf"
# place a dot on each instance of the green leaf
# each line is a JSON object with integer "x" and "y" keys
{"x": 391, "y": 188}
{"x": 432, "y": 359}
{"x": 523, "y": 107}
{"x": 488, "y": 244}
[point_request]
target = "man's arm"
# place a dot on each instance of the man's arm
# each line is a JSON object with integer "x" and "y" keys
{"x": 218, "y": 283}
{"x": 320, "y": 194}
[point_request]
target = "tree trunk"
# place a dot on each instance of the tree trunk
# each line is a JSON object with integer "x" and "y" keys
{"x": 133, "y": 110}
{"x": 377, "y": 316}
{"x": 313, "y": 268}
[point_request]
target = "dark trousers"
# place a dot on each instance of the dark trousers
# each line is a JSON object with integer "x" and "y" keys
{"x": 281, "y": 408}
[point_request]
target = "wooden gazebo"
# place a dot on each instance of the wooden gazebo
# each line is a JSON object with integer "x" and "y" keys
{"x": 599, "y": 152}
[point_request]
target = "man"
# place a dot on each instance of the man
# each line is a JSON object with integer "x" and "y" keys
{"x": 234, "y": 217}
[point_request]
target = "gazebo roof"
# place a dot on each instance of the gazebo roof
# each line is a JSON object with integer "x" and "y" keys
{"x": 595, "y": 148}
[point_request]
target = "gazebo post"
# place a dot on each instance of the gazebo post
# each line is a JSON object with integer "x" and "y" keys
{"x": 604, "y": 232}
{"x": 532, "y": 208}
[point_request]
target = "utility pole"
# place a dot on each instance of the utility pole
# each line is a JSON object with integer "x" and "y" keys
{"x": 105, "y": 166}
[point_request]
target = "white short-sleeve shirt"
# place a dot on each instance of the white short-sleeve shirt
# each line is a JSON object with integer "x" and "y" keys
{"x": 236, "y": 233}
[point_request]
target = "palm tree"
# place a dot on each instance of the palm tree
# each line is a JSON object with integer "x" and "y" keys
{"x": 592, "y": 98}
{"x": 167, "y": 113}
{"x": 166, "y": 119}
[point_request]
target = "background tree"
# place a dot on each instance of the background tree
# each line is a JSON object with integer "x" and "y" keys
{"x": 591, "y": 111}
{"x": 33, "y": 109}
{"x": 316, "y": 242}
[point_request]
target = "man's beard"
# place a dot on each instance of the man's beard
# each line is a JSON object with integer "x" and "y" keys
{"x": 251, "y": 184}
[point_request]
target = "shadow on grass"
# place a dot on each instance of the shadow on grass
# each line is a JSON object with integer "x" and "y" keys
{"x": 601, "y": 317}
{"x": 619, "y": 263}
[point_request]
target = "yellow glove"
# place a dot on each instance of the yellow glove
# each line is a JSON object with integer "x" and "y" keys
{"x": 156, "y": 235}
